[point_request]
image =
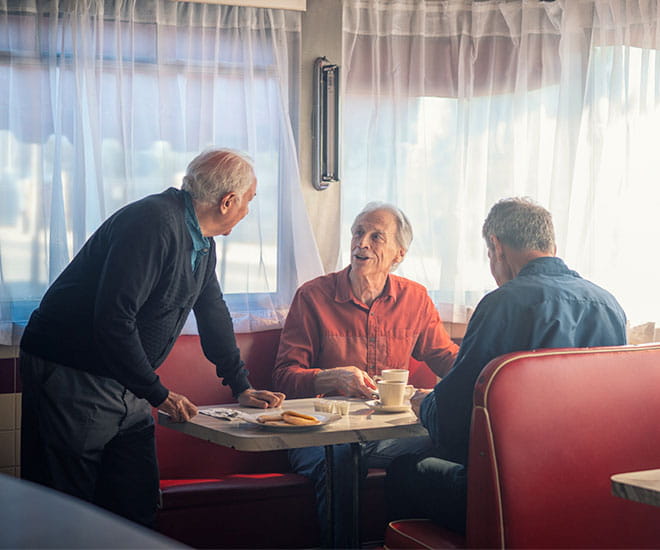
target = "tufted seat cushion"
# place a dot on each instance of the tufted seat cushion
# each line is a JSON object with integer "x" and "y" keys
{"x": 221, "y": 511}
{"x": 239, "y": 511}
{"x": 231, "y": 488}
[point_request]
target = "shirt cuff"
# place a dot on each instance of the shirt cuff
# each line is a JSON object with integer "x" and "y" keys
{"x": 239, "y": 384}
{"x": 157, "y": 395}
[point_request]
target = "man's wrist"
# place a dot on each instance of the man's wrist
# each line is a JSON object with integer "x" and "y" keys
{"x": 322, "y": 383}
{"x": 157, "y": 397}
{"x": 238, "y": 393}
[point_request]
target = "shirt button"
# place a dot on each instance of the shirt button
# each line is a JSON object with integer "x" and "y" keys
{"x": 372, "y": 339}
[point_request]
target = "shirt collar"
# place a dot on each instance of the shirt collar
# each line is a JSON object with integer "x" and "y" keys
{"x": 344, "y": 292}
{"x": 200, "y": 242}
{"x": 549, "y": 265}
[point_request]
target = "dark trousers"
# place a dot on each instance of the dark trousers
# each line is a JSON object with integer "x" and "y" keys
{"x": 90, "y": 437}
{"x": 310, "y": 462}
{"x": 427, "y": 486}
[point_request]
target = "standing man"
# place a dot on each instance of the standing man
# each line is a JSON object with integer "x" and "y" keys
{"x": 90, "y": 349}
{"x": 540, "y": 303}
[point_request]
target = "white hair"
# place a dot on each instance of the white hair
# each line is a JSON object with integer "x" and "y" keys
{"x": 216, "y": 172}
{"x": 404, "y": 232}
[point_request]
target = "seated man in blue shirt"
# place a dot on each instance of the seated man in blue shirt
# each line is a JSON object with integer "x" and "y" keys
{"x": 540, "y": 303}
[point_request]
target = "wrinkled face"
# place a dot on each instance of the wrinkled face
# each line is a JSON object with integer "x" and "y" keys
{"x": 374, "y": 248}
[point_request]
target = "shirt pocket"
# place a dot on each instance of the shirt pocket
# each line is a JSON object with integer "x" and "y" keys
{"x": 399, "y": 343}
{"x": 341, "y": 351}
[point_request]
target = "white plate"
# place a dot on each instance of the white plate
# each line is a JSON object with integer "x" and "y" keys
{"x": 284, "y": 427}
{"x": 379, "y": 407}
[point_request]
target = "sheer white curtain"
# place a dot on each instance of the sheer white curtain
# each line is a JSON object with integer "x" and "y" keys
{"x": 451, "y": 105}
{"x": 102, "y": 103}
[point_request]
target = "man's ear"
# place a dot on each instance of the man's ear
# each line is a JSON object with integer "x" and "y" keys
{"x": 496, "y": 246}
{"x": 227, "y": 201}
{"x": 399, "y": 258}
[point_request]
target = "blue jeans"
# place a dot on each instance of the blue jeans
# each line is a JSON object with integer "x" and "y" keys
{"x": 427, "y": 486}
{"x": 310, "y": 462}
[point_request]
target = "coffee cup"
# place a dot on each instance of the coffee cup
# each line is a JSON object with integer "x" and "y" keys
{"x": 399, "y": 375}
{"x": 392, "y": 393}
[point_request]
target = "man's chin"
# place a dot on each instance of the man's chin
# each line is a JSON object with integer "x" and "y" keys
{"x": 359, "y": 265}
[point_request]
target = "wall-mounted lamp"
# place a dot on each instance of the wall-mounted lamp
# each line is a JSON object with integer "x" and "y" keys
{"x": 325, "y": 124}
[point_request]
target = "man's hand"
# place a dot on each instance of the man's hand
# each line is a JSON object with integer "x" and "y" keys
{"x": 178, "y": 407}
{"x": 260, "y": 399}
{"x": 416, "y": 400}
{"x": 348, "y": 381}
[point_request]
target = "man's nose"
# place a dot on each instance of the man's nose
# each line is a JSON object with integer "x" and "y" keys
{"x": 362, "y": 242}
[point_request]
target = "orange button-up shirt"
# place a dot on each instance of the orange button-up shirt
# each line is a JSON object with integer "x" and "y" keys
{"x": 328, "y": 327}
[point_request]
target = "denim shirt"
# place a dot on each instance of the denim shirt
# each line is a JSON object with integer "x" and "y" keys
{"x": 546, "y": 305}
{"x": 200, "y": 242}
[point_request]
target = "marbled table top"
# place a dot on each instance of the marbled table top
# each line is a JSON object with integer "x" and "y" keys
{"x": 361, "y": 424}
{"x": 641, "y": 486}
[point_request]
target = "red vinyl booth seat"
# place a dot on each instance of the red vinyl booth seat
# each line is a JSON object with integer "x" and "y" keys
{"x": 421, "y": 534}
{"x": 549, "y": 429}
{"x": 217, "y": 497}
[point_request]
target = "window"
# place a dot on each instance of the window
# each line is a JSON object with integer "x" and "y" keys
{"x": 450, "y": 107}
{"x": 100, "y": 108}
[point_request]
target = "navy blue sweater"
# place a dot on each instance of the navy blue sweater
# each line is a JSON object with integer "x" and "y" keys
{"x": 118, "y": 307}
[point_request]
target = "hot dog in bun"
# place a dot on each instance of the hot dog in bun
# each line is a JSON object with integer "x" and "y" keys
{"x": 289, "y": 417}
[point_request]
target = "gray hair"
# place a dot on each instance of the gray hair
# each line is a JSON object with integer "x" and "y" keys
{"x": 521, "y": 224}
{"x": 216, "y": 172}
{"x": 404, "y": 232}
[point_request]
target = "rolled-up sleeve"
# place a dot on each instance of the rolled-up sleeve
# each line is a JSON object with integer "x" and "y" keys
{"x": 434, "y": 346}
{"x": 293, "y": 373}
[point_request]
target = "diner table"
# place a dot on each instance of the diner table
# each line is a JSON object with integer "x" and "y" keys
{"x": 642, "y": 486}
{"x": 362, "y": 423}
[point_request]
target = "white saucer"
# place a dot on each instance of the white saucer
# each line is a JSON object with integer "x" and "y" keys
{"x": 379, "y": 407}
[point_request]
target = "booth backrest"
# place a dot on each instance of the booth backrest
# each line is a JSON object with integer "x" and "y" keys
{"x": 549, "y": 428}
{"x": 187, "y": 371}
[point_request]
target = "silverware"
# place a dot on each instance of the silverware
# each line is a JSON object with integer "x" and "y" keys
{"x": 221, "y": 414}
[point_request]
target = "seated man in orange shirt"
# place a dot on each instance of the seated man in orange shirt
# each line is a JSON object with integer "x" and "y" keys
{"x": 342, "y": 330}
